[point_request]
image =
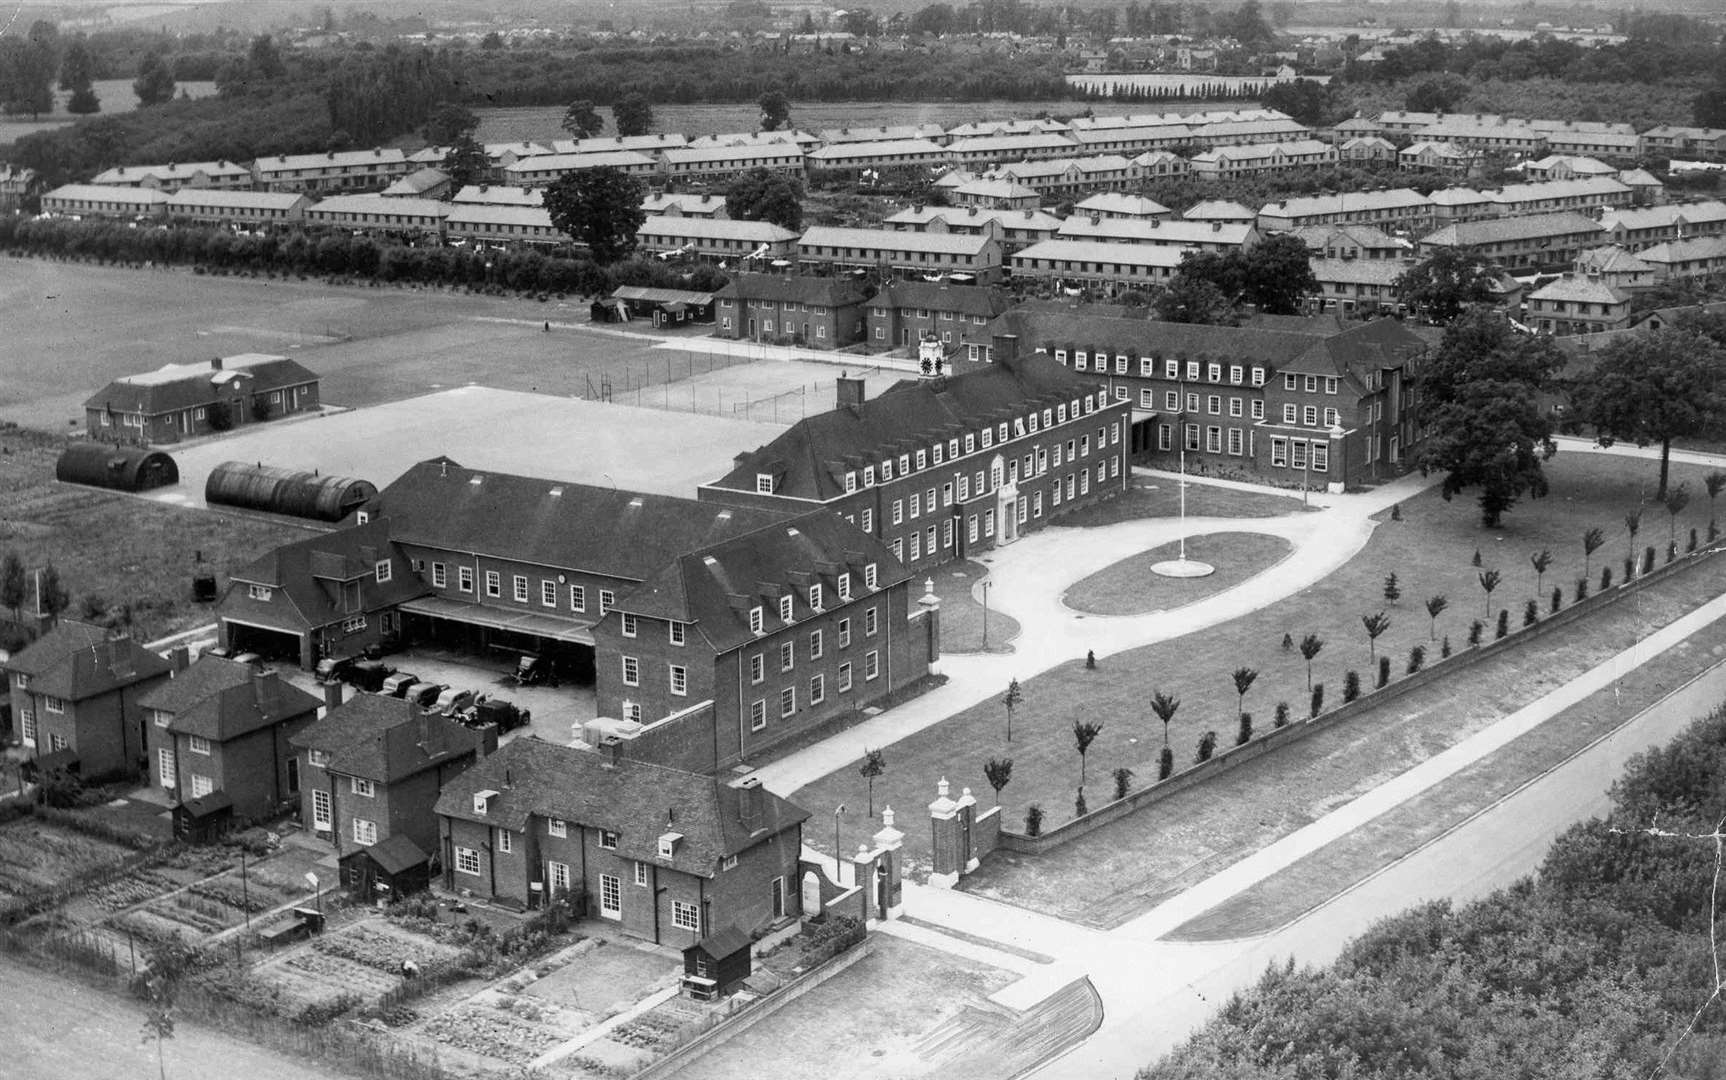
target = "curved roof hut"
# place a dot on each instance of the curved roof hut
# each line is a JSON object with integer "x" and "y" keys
{"x": 286, "y": 491}
{"x": 123, "y": 468}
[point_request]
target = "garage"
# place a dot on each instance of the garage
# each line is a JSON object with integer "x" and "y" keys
{"x": 267, "y": 641}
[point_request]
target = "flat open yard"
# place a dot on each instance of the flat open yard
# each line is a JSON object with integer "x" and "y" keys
{"x": 1124, "y": 867}
{"x": 1130, "y": 587}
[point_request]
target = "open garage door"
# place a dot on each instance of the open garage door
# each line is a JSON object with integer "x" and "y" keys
{"x": 283, "y": 646}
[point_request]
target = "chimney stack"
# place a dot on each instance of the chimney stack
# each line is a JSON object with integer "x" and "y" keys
{"x": 179, "y": 658}
{"x": 333, "y": 695}
{"x": 849, "y": 390}
{"x": 216, "y": 364}
{"x": 1004, "y": 349}
{"x": 749, "y": 803}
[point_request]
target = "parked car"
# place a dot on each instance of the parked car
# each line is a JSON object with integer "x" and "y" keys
{"x": 424, "y": 694}
{"x": 506, "y": 714}
{"x": 395, "y": 684}
{"x": 368, "y": 675}
{"x": 249, "y": 658}
{"x": 531, "y": 669}
{"x": 452, "y": 701}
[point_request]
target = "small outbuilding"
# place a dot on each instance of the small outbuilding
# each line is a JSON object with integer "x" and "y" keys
{"x": 666, "y": 307}
{"x": 205, "y": 819}
{"x": 123, "y": 468}
{"x": 286, "y": 491}
{"x": 387, "y": 871}
{"x": 715, "y": 965}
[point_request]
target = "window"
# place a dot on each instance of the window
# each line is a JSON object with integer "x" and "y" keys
{"x": 201, "y": 786}
{"x": 787, "y": 655}
{"x": 464, "y": 578}
{"x": 1310, "y": 384}
{"x": 360, "y": 786}
{"x": 916, "y": 504}
{"x": 1235, "y": 443}
{"x": 548, "y": 593}
{"x": 629, "y": 625}
{"x": 844, "y": 677}
{"x": 787, "y": 701}
{"x": 641, "y": 874}
{"x": 1309, "y": 415}
{"x": 259, "y": 592}
{"x": 1289, "y": 381}
{"x": 608, "y": 840}
{"x": 898, "y": 511}
{"x": 844, "y": 587}
{"x": 1258, "y": 378}
{"x": 606, "y": 599}
{"x": 916, "y": 545}
{"x": 1235, "y": 374}
{"x": 353, "y": 624}
{"x": 785, "y": 608}
{"x": 365, "y": 832}
{"x": 610, "y": 896}
{"x": 557, "y": 827}
{"x": 871, "y": 665}
{"x": 815, "y": 645}
{"x": 1214, "y": 372}
{"x": 1234, "y": 406}
{"x": 383, "y": 571}
{"x": 817, "y": 690}
{"x": 1192, "y": 370}
{"x": 1171, "y": 369}
{"x": 755, "y": 620}
{"x": 675, "y": 632}
{"x": 1192, "y": 436}
{"x": 869, "y": 577}
{"x": 1192, "y": 403}
{"x": 1297, "y": 454}
{"x": 685, "y": 916}
{"x": 1330, "y": 384}
{"x": 559, "y": 877}
{"x": 1290, "y": 414}
{"x": 869, "y": 624}
{"x": 971, "y": 529}
{"x": 764, "y": 483}
{"x": 493, "y": 583}
{"x": 1258, "y": 410}
{"x": 577, "y": 598}
{"x": 815, "y": 597}
{"x": 964, "y": 488}
{"x": 758, "y": 714}
{"x": 467, "y": 861}
{"x": 1321, "y": 456}
{"x": 869, "y": 520}
{"x": 505, "y": 841}
{"x": 679, "y": 680}
{"x": 631, "y": 671}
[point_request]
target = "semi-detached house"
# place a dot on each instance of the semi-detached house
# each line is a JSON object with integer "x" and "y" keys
{"x": 75, "y": 694}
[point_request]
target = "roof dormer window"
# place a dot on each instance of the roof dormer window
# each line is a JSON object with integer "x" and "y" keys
{"x": 764, "y": 483}
{"x": 482, "y": 799}
{"x": 755, "y": 620}
{"x": 815, "y": 596}
{"x": 785, "y": 608}
{"x": 844, "y": 587}
{"x": 869, "y": 577}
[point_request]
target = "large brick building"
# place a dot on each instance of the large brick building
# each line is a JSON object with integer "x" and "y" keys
{"x": 945, "y": 467}
{"x": 670, "y": 856}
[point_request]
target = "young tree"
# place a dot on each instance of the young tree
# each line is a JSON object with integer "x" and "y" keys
{"x": 1375, "y": 625}
{"x": 1383, "y": 672}
{"x": 763, "y": 195}
{"x": 1011, "y": 699}
{"x": 999, "y": 772}
{"x": 1165, "y": 764}
{"x": 155, "y": 81}
{"x": 599, "y": 207}
{"x": 775, "y": 110}
{"x": 1350, "y": 686}
{"x": 1165, "y": 707}
{"x": 582, "y": 120}
{"x": 632, "y": 116}
{"x": 874, "y": 764}
{"x": 1677, "y": 498}
{"x": 1243, "y": 677}
{"x": 1491, "y": 430}
{"x": 1416, "y": 658}
{"x": 1435, "y": 606}
{"x": 1653, "y": 388}
{"x": 167, "y": 964}
{"x": 1503, "y": 622}
{"x": 1592, "y": 540}
{"x": 1085, "y": 732}
{"x": 1540, "y": 560}
{"x": 1489, "y": 580}
{"x": 14, "y": 583}
{"x": 1445, "y": 285}
{"x": 1632, "y": 525}
{"x": 1310, "y": 647}
{"x": 1392, "y": 591}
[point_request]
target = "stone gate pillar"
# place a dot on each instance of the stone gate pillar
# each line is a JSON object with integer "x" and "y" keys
{"x": 944, "y": 839}
{"x": 966, "y": 811}
{"x": 890, "y": 867}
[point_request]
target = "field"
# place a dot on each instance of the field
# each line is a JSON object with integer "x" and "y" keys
{"x": 36, "y": 855}
{"x": 116, "y": 96}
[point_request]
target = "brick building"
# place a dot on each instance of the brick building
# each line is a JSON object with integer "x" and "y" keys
{"x": 906, "y": 312}
{"x": 75, "y": 694}
{"x": 818, "y": 312}
{"x": 183, "y": 400}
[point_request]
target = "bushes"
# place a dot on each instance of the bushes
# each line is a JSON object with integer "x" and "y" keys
{"x": 1475, "y": 630}
{"x": 1648, "y": 559}
{"x": 1444, "y": 648}
{"x": 1245, "y": 734}
{"x": 1317, "y": 699}
{"x": 1123, "y": 782}
{"x": 1606, "y": 578}
{"x": 1207, "y": 747}
{"x": 1165, "y": 764}
{"x": 1581, "y": 590}
{"x": 1034, "y": 819}
{"x": 1416, "y": 658}
{"x": 1557, "y": 598}
{"x": 1383, "y": 672}
{"x": 1503, "y": 623}
{"x": 1350, "y": 687}
{"x": 1530, "y": 613}
{"x": 1281, "y": 719}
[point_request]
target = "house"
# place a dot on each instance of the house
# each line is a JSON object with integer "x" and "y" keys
{"x": 1112, "y": 204}
{"x": 1220, "y": 210}
{"x": 1641, "y": 227}
{"x": 499, "y": 195}
{"x": 1645, "y": 188}
{"x": 1616, "y": 267}
{"x": 1155, "y": 163}
{"x": 1351, "y": 242}
{"x": 372, "y": 768}
{"x": 1356, "y": 286}
{"x": 1582, "y": 193}
{"x": 1216, "y": 236}
{"x": 977, "y": 257}
{"x": 1247, "y": 397}
{"x": 681, "y": 204}
{"x": 984, "y": 151}
{"x": 19, "y": 188}
{"x": 852, "y": 159}
{"x": 715, "y": 163}
{"x": 715, "y": 239}
{"x": 426, "y": 183}
{"x": 336, "y": 171}
{"x": 1394, "y": 208}
{"x": 224, "y": 726}
{"x": 1484, "y": 132}
{"x": 220, "y": 206}
{"x": 646, "y": 144}
{"x": 1704, "y": 256}
{"x": 944, "y": 468}
{"x": 1367, "y": 150}
{"x": 667, "y": 855}
{"x": 75, "y": 694}
{"x": 96, "y": 200}
{"x": 383, "y": 213}
{"x": 1578, "y": 304}
{"x": 183, "y": 400}
{"x": 1440, "y": 157}
{"x": 818, "y": 312}
{"x": 907, "y": 312}
{"x": 1110, "y": 267}
{"x": 995, "y": 194}
{"x": 1235, "y": 162}
{"x": 220, "y": 175}
{"x": 543, "y": 170}
{"x": 500, "y": 223}
{"x": 1566, "y": 167}
{"x": 1457, "y": 204}
{"x": 333, "y": 594}
{"x": 1671, "y": 140}
{"x": 1540, "y": 240}
{"x": 1014, "y": 229}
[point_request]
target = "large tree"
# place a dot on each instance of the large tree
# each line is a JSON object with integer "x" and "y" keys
{"x": 775, "y": 110}
{"x": 466, "y": 163}
{"x": 632, "y": 116}
{"x": 763, "y": 195}
{"x": 155, "y": 81}
{"x": 449, "y": 122}
{"x": 77, "y": 74}
{"x": 1189, "y": 299}
{"x": 1277, "y": 274}
{"x": 1444, "y": 285}
{"x": 599, "y": 207}
{"x": 1653, "y": 388}
{"x": 1489, "y": 428}
{"x": 582, "y": 120}
{"x": 27, "y": 70}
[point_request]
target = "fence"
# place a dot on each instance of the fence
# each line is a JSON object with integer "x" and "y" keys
{"x": 1270, "y": 740}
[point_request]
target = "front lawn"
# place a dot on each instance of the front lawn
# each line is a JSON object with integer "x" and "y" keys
{"x": 1129, "y": 587}
{"x": 962, "y": 616}
{"x": 1160, "y": 496}
{"x": 1430, "y": 551}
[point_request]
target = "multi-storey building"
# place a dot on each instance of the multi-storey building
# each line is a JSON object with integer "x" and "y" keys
{"x": 818, "y": 312}
{"x": 1096, "y": 264}
{"x": 75, "y": 694}
{"x": 851, "y": 159}
{"x": 1578, "y": 304}
{"x": 1396, "y": 208}
{"x": 978, "y": 256}
{"x": 542, "y": 170}
{"x": 387, "y": 213}
{"x": 105, "y": 200}
{"x": 1015, "y": 229}
{"x": 907, "y": 312}
{"x": 336, "y": 171}
{"x": 715, "y": 238}
{"x": 942, "y": 468}
{"x": 1217, "y": 236}
{"x": 697, "y": 164}
{"x": 492, "y": 223}
{"x": 221, "y": 206}
{"x": 1642, "y": 227}
{"x": 210, "y": 175}
{"x": 1704, "y": 256}
{"x": 1540, "y": 240}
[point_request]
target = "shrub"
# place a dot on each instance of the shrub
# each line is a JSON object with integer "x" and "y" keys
{"x": 1605, "y": 578}
{"x": 1033, "y": 820}
{"x": 1475, "y": 629}
{"x": 1416, "y": 659}
{"x": 1090, "y": 660}
{"x": 1557, "y": 598}
{"x": 1282, "y": 715}
{"x": 1476, "y": 559}
{"x": 1383, "y": 672}
{"x": 1123, "y": 782}
{"x": 1396, "y": 511}
{"x": 1350, "y": 687}
{"x": 1581, "y": 590}
{"x": 1530, "y": 613}
{"x": 1444, "y": 648}
{"x": 1629, "y": 568}
{"x": 1503, "y": 623}
{"x": 1207, "y": 746}
{"x": 1648, "y": 559}
{"x": 1317, "y": 699}
{"x": 1671, "y": 550}
{"x": 1166, "y": 764}
{"x": 1288, "y": 642}
{"x": 1079, "y": 807}
{"x": 1246, "y": 731}
{"x": 1692, "y": 545}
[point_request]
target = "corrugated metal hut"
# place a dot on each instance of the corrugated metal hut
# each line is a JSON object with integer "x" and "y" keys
{"x": 286, "y": 491}
{"x": 123, "y": 468}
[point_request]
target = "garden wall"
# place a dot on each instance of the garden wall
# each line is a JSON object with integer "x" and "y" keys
{"x": 1270, "y": 740}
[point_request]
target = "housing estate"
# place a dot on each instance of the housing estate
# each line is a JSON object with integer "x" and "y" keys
{"x": 182, "y": 400}
{"x": 978, "y": 256}
{"x": 1533, "y": 242}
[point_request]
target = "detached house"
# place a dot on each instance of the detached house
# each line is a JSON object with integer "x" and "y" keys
{"x": 221, "y": 726}
{"x": 372, "y": 768}
{"x": 75, "y": 693}
{"x": 183, "y": 400}
{"x": 670, "y": 856}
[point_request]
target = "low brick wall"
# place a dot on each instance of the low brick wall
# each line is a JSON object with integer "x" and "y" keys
{"x": 750, "y": 1015}
{"x": 1270, "y": 740}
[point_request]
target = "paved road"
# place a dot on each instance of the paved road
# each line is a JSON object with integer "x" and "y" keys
{"x": 62, "y": 1030}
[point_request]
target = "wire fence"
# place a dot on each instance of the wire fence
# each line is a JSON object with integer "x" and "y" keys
{"x": 678, "y": 381}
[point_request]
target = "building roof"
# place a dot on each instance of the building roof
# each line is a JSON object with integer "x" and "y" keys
{"x": 1665, "y": 216}
{"x": 1218, "y": 210}
{"x": 1436, "y": 148}
{"x": 887, "y": 148}
{"x": 1382, "y": 272}
{"x": 173, "y": 387}
{"x": 380, "y": 204}
{"x": 894, "y": 240}
{"x": 1103, "y": 251}
{"x": 1676, "y": 251}
{"x": 243, "y": 200}
{"x": 335, "y": 159}
{"x": 964, "y": 217}
{"x": 599, "y": 159}
{"x": 883, "y": 133}
{"x": 593, "y": 143}
{"x": 1369, "y": 142}
{"x": 1348, "y": 202}
{"x": 1008, "y": 144}
{"x": 1576, "y": 187}
{"x": 109, "y": 193}
{"x": 826, "y": 292}
{"x": 1175, "y": 231}
{"x": 637, "y": 800}
{"x": 1370, "y": 237}
{"x": 662, "y": 296}
{"x": 500, "y": 194}
{"x": 810, "y": 460}
{"x": 995, "y": 188}
{"x": 1581, "y": 166}
{"x": 416, "y": 183}
{"x": 386, "y": 739}
{"x": 220, "y": 699}
{"x": 76, "y": 661}
{"x": 1611, "y": 259}
{"x": 554, "y": 523}
{"x": 1499, "y": 230}
{"x": 716, "y": 155}
{"x": 1581, "y": 288}
{"x": 185, "y": 172}
{"x": 394, "y": 854}
{"x": 532, "y": 217}
{"x": 310, "y": 573}
{"x": 1121, "y": 204}
{"x": 700, "y": 228}
{"x": 686, "y": 202}
{"x": 968, "y": 300}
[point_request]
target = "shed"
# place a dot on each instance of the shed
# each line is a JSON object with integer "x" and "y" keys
{"x": 205, "y": 819}
{"x": 713, "y": 966}
{"x": 386, "y": 871}
{"x": 124, "y": 468}
{"x": 665, "y": 307}
{"x": 286, "y": 491}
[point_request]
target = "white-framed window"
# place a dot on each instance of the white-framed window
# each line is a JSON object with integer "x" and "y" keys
{"x": 556, "y": 827}
{"x": 559, "y": 877}
{"x": 1214, "y": 372}
{"x": 467, "y": 861}
{"x": 757, "y": 668}
{"x": 464, "y": 578}
{"x": 198, "y": 745}
{"x": 1279, "y": 452}
{"x": 438, "y": 575}
{"x": 629, "y": 625}
{"x": 755, "y": 620}
{"x": 1330, "y": 384}
{"x": 505, "y": 841}
{"x": 642, "y": 874}
{"x": 787, "y": 701}
{"x": 353, "y": 624}
{"x": 493, "y": 583}
{"x": 869, "y": 520}
{"x": 1321, "y": 456}
{"x": 1257, "y": 411}
{"x": 606, "y": 599}
{"x": 785, "y": 608}
{"x": 1192, "y": 371}
{"x": 685, "y": 916}
{"x": 844, "y": 587}
{"x": 167, "y": 772}
{"x": 869, "y": 576}
{"x": 1291, "y": 414}
{"x": 787, "y": 655}
{"x": 764, "y": 483}
{"x": 1290, "y": 381}
{"x": 844, "y": 677}
{"x": 53, "y": 704}
{"x": 519, "y": 587}
{"x": 817, "y": 690}
{"x": 383, "y": 571}
{"x": 758, "y": 714}
{"x": 675, "y": 633}
{"x": 1258, "y": 375}
{"x": 898, "y": 511}
{"x": 365, "y": 832}
{"x": 548, "y": 593}
{"x": 259, "y": 592}
{"x": 871, "y": 665}
{"x": 1309, "y": 415}
{"x": 361, "y": 786}
{"x": 679, "y": 680}
{"x": 578, "y": 598}
{"x": 870, "y": 623}
{"x": 631, "y": 671}
{"x": 608, "y": 839}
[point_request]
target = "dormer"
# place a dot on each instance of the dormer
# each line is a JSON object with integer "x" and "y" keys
{"x": 668, "y": 842}
{"x": 482, "y": 800}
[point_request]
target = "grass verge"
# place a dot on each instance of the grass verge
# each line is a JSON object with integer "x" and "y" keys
{"x": 1129, "y": 587}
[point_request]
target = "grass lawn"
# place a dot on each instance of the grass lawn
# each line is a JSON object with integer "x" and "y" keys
{"x": 1290, "y": 893}
{"x": 962, "y": 615}
{"x": 1130, "y": 588}
{"x": 1430, "y": 550}
{"x": 116, "y": 548}
{"x": 1160, "y": 496}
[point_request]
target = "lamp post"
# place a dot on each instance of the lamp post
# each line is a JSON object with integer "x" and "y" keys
{"x": 985, "y": 588}
{"x": 837, "y": 810}
{"x": 1339, "y": 444}
{"x": 1306, "y": 474}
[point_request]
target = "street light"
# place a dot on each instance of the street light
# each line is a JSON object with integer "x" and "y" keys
{"x": 837, "y": 810}
{"x": 985, "y": 587}
{"x": 1338, "y": 438}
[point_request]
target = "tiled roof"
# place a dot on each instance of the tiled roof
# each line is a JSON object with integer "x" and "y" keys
{"x": 417, "y": 182}
{"x": 634, "y": 799}
{"x": 1218, "y": 210}
{"x": 995, "y": 188}
{"x": 334, "y": 159}
{"x": 185, "y": 170}
{"x": 183, "y": 386}
{"x": 500, "y": 194}
{"x": 1102, "y": 251}
{"x": 76, "y": 661}
{"x": 554, "y": 523}
{"x": 108, "y": 193}
{"x": 1673, "y": 251}
{"x": 888, "y": 148}
{"x": 1358, "y": 271}
{"x": 1174, "y": 231}
{"x": 385, "y": 739}
{"x": 893, "y": 240}
{"x": 700, "y": 228}
{"x": 1345, "y": 203}
{"x": 1498, "y": 230}
{"x": 220, "y": 699}
{"x": 1611, "y": 259}
{"x": 601, "y": 159}
{"x": 1118, "y": 202}
{"x": 379, "y": 204}
{"x": 313, "y": 599}
{"x": 1580, "y": 288}
{"x": 826, "y": 292}
{"x": 246, "y": 200}
{"x": 933, "y": 296}
{"x": 533, "y": 217}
